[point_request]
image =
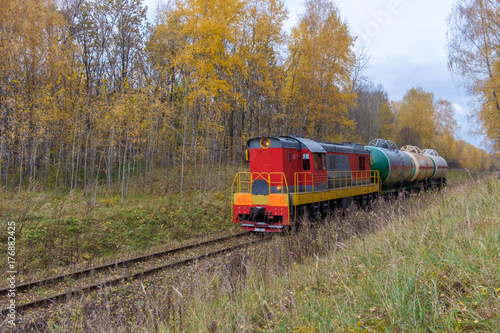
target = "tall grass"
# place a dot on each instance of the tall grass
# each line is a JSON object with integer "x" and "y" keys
{"x": 57, "y": 231}
{"x": 425, "y": 263}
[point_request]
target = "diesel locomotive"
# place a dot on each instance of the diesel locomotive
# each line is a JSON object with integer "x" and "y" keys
{"x": 291, "y": 176}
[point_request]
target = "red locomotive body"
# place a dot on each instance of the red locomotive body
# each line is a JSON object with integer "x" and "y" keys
{"x": 290, "y": 176}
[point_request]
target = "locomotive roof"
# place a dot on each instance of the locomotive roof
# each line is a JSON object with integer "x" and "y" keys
{"x": 346, "y": 147}
{"x": 314, "y": 146}
{"x": 288, "y": 142}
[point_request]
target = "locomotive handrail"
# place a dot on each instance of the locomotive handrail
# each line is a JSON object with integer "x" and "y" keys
{"x": 376, "y": 177}
{"x": 332, "y": 180}
{"x": 298, "y": 182}
{"x": 244, "y": 180}
{"x": 305, "y": 181}
{"x": 344, "y": 180}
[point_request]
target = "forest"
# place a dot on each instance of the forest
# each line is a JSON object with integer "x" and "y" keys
{"x": 95, "y": 95}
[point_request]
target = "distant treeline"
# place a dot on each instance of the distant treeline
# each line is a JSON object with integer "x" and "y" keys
{"x": 93, "y": 94}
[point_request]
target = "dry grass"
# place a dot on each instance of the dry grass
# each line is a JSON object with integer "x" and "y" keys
{"x": 424, "y": 263}
{"x": 55, "y": 233}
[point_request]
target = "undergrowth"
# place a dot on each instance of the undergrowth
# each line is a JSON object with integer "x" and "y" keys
{"x": 427, "y": 263}
{"x": 424, "y": 263}
{"x": 57, "y": 230}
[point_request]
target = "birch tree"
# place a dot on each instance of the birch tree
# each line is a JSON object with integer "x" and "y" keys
{"x": 321, "y": 63}
{"x": 473, "y": 48}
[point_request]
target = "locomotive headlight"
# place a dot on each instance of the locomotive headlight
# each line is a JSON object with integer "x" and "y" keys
{"x": 265, "y": 143}
{"x": 278, "y": 188}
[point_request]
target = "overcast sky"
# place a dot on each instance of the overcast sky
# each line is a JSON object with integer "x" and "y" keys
{"x": 406, "y": 42}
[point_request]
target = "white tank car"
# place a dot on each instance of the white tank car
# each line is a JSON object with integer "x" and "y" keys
{"x": 424, "y": 166}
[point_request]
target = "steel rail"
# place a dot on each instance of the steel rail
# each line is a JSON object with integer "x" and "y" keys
{"x": 122, "y": 263}
{"x": 67, "y": 295}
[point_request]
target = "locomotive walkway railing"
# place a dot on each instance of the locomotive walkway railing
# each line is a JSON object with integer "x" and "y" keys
{"x": 243, "y": 181}
{"x": 304, "y": 181}
{"x": 276, "y": 181}
{"x": 308, "y": 182}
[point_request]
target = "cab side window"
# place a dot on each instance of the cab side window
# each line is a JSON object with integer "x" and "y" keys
{"x": 306, "y": 162}
{"x": 319, "y": 162}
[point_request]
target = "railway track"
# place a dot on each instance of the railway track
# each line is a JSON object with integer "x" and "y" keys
{"x": 116, "y": 273}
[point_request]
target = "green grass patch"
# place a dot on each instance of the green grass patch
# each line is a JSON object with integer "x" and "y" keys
{"x": 429, "y": 263}
{"x": 57, "y": 230}
{"x": 457, "y": 176}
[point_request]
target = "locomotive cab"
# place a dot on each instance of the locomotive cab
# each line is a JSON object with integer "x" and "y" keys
{"x": 262, "y": 198}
